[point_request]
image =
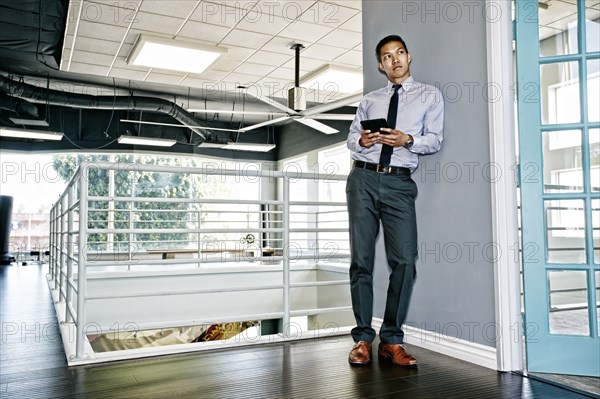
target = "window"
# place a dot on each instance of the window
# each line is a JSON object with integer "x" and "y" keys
{"x": 26, "y": 176}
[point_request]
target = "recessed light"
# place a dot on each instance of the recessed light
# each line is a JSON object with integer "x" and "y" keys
{"x": 174, "y": 55}
{"x": 334, "y": 78}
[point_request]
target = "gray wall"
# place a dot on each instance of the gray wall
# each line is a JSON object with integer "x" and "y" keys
{"x": 454, "y": 292}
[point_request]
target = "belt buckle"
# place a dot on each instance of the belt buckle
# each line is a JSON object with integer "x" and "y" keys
{"x": 387, "y": 170}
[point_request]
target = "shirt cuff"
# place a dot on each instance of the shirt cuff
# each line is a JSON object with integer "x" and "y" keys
{"x": 416, "y": 147}
{"x": 359, "y": 147}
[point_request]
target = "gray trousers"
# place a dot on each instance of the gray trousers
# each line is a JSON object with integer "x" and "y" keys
{"x": 373, "y": 197}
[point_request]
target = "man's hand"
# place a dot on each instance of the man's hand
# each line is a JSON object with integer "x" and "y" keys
{"x": 394, "y": 138}
{"x": 368, "y": 139}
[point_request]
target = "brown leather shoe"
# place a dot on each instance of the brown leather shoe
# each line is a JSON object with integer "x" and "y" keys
{"x": 397, "y": 353}
{"x": 360, "y": 353}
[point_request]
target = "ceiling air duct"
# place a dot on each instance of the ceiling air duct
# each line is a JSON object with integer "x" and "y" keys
{"x": 76, "y": 100}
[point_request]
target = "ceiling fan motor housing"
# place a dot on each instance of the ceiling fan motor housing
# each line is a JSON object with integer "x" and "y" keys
{"x": 297, "y": 98}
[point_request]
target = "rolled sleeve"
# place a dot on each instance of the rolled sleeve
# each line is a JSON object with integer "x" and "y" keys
{"x": 356, "y": 129}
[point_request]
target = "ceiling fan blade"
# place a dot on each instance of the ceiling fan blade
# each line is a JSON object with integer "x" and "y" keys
{"x": 332, "y": 105}
{"x": 333, "y": 117}
{"x": 323, "y": 128}
{"x": 273, "y": 103}
{"x": 222, "y": 111}
{"x": 271, "y": 122}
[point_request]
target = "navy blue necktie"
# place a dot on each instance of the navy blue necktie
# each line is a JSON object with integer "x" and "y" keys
{"x": 386, "y": 150}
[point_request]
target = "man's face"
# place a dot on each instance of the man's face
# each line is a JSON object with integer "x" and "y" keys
{"x": 394, "y": 60}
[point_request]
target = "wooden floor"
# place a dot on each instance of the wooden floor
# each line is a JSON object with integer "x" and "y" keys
{"x": 32, "y": 365}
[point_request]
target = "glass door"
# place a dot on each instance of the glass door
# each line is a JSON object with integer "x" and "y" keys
{"x": 558, "y": 80}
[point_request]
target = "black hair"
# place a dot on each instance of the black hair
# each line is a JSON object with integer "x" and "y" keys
{"x": 386, "y": 40}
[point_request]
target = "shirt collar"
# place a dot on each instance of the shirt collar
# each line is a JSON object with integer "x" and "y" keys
{"x": 406, "y": 85}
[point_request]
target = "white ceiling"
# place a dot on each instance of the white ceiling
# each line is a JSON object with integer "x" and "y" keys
{"x": 258, "y": 35}
{"x": 559, "y": 15}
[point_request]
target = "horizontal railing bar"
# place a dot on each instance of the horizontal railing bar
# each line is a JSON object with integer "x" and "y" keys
{"x": 563, "y": 290}
{"x": 139, "y": 245}
{"x": 160, "y": 221}
{"x": 72, "y": 284}
{"x": 181, "y": 230}
{"x": 172, "y": 261}
{"x": 183, "y": 200}
{"x": 63, "y": 216}
{"x": 255, "y": 222}
{"x": 190, "y": 211}
{"x": 194, "y": 201}
{"x": 210, "y": 171}
{"x": 196, "y": 322}
{"x": 187, "y": 292}
{"x": 319, "y": 283}
{"x": 568, "y": 249}
{"x": 332, "y": 211}
{"x": 126, "y": 246}
{"x": 309, "y": 312}
{"x": 74, "y": 206}
{"x": 567, "y": 309}
{"x": 319, "y": 230}
{"x": 315, "y": 203}
{"x": 232, "y": 259}
{"x": 72, "y": 311}
{"x": 570, "y": 266}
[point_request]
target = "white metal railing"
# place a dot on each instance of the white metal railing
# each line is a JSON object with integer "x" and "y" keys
{"x": 93, "y": 234}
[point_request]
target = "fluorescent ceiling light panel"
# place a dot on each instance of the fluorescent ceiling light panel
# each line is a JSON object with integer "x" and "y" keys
{"x": 334, "y": 78}
{"x": 257, "y": 147}
{"x": 136, "y": 140}
{"x": 28, "y": 122}
{"x": 174, "y": 55}
{"x": 30, "y": 134}
{"x": 212, "y": 145}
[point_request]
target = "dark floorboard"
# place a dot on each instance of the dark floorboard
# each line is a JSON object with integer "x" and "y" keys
{"x": 32, "y": 365}
{"x": 576, "y": 382}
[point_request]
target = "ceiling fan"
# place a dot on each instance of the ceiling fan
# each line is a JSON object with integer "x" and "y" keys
{"x": 296, "y": 109}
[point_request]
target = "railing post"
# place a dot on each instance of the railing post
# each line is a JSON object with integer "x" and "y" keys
{"x": 61, "y": 223}
{"x": 199, "y": 226}
{"x": 56, "y": 244}
{"x": 55, "y": 252}
{"x": 68, "y": 315}
{"x": 110, "y": 237}
{"x": 317, "y": 242}
{"x": 286, "y": 257}
{"x": 51, "y": 243}
{"x": 259, "y": 240}
{"x": 82, "y": 264}
{"x": 129, "y": 244}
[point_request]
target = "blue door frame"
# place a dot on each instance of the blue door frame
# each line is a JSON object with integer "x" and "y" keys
{"x": 551, "y": 351}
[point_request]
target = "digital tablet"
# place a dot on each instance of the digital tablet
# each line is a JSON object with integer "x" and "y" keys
{"x": 374, "y": 125}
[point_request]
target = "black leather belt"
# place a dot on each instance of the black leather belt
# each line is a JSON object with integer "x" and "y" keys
{"x": 390, "y": 170}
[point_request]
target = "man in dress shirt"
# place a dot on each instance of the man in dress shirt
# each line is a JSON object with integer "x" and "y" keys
{"x": 380, "y": 189}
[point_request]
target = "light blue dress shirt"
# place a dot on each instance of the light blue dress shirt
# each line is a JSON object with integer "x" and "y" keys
{"x": 420, "y": 114}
